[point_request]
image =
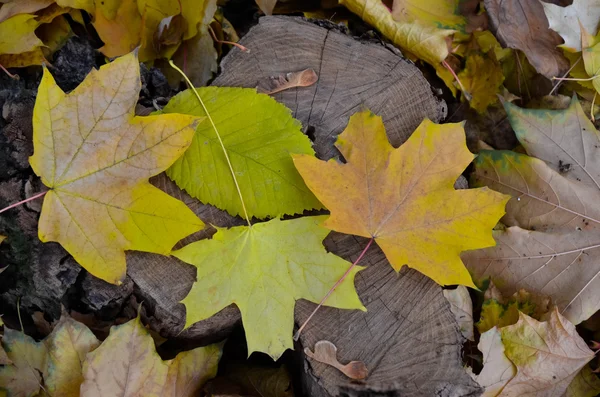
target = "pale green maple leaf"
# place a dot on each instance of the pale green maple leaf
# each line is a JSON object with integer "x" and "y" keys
{"x": 264, "y": 269}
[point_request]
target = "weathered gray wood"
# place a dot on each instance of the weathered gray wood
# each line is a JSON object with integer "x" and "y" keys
{"x": 408, "y": 338}
{"x": 352, "y": 75}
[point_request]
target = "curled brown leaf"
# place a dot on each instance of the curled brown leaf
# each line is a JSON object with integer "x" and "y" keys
{"x": 326, "y": 353}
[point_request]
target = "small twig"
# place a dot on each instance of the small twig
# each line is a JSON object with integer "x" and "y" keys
{"x": 297, "y": 335}
{"x": 12, "y": 76}
{"x": 564, "y": 75}
{"x": 23, "y": 201}
{"x": 462, "y": 87}
{"x": 575, "y": 79}
{"x": 214, "y": 36}
{"x": 592, "y": 108}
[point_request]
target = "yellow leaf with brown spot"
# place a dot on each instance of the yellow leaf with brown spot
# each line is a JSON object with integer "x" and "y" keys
{"x": 405, "y": 198}
{"x": 420, "y": 40}
{"x": 96, "y": 156}
{"x": 482, "y": 79}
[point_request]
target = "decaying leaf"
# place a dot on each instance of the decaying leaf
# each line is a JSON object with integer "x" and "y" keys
{"x": 564, "y": 20}
{"x": 548, "y": 355}
{"x": 67, "y": 346}
{"x": 521, "y": 24}
{"x": 258, "y": 134}
{"x": 498, "y": 311}
{"x": 585, "y": 384}
{"x": 24, "y": 376}
{"x": 551, "y": 245}
{"x": 418, "y": 39}
{"x": 326, "y": 353}
{"x": 264, "y": 269}
{"x": 274, "y": 84}
{"x": 405, "y": 198}
{"x": 14, "y": 7}
{"x": 126, "y": 364}
{"x": 96, "y": 158}
{"x": 482, "y": 78}
{"x": 462, "y": 308}
{"x": 497, "y": 370}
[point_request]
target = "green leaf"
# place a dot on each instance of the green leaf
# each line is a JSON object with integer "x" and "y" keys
{"x": 259, "y": 135}
{"x": 264, "y": 269}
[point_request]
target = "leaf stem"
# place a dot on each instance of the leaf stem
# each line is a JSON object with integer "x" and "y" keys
{"x": 297, "y": 335}
{"x": 237, "y": 186}
{"x": 565, "y": 75}
{"x": 462, "y": 87}
{"x": 575, "y": 79}
{"x": 238, "y": 45}
{"x": 23, "y": 201}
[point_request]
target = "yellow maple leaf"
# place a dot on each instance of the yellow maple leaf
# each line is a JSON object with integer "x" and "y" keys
{"x": 17, "y": 34}
{"x": 96, "y": 158}
{"x": 423, "y": 41}
{"x": 405, "y": 198}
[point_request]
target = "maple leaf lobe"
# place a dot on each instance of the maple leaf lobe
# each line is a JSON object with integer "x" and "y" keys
{"x": 96, "y": 157}
{"x": 405, "y": 197}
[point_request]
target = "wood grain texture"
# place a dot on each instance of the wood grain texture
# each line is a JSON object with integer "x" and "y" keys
{"x": 408, "y": 338}
{"x": 352, "y": 75}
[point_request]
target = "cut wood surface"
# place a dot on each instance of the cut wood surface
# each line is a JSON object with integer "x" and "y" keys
{"x": 351, "y": 75}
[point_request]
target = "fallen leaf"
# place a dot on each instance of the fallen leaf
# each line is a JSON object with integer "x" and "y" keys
{"x": 462, "y": 308}
{"x": 435, "y": 13}
{"x": 86, "y": 5}
{"x": 266, "y": 6}
{"x": 121, "y": 33}
{"x": 198, "y": 57}
{"x": 12, "y": 8}
{"x": 258, "y": 134}
{"x": 431, "y": 44}
{"x": 29, "y": 58}
{"x": 4, "y": 360}
{"x": 281, "y": 82}
{"x": 97, "y": 179}
{"x": 521, "y": 24}
{"x": 190, "y": 370}
{"x": 564, "y": 20}
{"x": 264, "y": 270}
{"x": 54, "y": 34}
{"x": 24, "y": 376}
{"x": 17, "y": 34}
{"x": 498, "y": 311}
{"x": 67, "y": 346}
{"x": 126, "y": 364}
{"x": 548, "y": 355}
{"x": 585, "y": 384}
{"x": 326, "y": 353}
{"x": 2, "y": 238}
{"x": 405, "y": 198}
{"x": 482, "y": 78}
{"x": 591, "y": 55}
{"x": 497, "y": 370}
{"x": 550, "y": 247}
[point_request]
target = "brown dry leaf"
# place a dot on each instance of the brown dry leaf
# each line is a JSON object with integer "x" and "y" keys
{"x": 281, "y": 82}
{"x": 462, "y": 308}
{"x": 326, "y": 352}
{"x": 548, "y": 356}
{"x": 15, "y": 7}
{"x": 126, "y": 365}
{"x": 551, "y": 247}
{"x": 522, "y": 24}
{"x": 497, "y": 369}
